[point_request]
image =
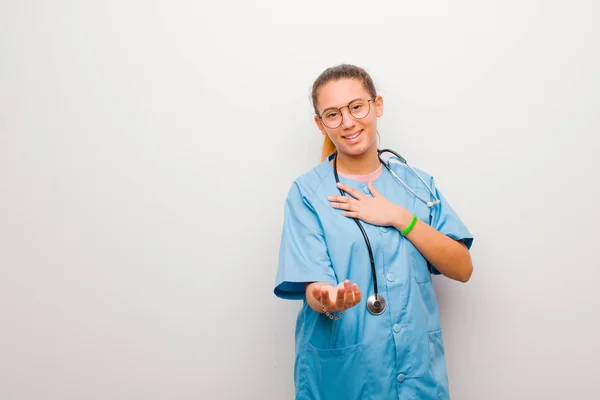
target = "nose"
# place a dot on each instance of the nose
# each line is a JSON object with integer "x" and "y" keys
{"x": 347, "y": 119}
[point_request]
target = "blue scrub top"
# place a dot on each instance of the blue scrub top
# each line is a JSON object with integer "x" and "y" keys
{"x": 396, "y": 355}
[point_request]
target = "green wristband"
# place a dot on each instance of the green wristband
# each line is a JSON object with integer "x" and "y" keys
{"x": 409, "y": 227}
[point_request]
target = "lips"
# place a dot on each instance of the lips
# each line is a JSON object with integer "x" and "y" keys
{"x": 353, "y": 136}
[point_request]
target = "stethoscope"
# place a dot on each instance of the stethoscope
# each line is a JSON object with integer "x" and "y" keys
{"x": 376, "y": 303}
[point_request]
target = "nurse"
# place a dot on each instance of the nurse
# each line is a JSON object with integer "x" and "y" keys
{"x": 343, "y": 350}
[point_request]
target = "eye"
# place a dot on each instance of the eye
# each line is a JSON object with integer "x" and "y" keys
{"x": 331, "y": 114}
{"x": 356, "y": 106}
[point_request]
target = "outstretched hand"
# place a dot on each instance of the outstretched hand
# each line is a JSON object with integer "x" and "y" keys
{"x": 337, "y": 298}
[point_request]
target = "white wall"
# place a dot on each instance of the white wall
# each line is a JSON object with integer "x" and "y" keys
{"x": 146, "y": 149}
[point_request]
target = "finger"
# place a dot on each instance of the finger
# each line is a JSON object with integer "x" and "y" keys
{"x": 326, "y": 298}
{"x": 351, "y": 191}
{"x": 344, "y": 206}
{"x": 357, "y": 294}
{"x": 348, "y": 295}
{"x": 373, "y": 190}
{"x": 316, "y": 291}
{"x": 339, "y": 301}
{"x": 340, "y": 199}
{"x": 352, "y": 214}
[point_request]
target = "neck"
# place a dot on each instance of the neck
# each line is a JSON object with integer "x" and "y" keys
{"x": 358, "y": 165}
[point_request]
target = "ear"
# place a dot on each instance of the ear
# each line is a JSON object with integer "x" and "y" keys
{"x": 379, "y": 106}
{"x": 320, "y": 125}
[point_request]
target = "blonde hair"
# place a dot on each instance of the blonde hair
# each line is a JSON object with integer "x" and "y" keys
{"x": 328, "y": 148}
{"x": 342, "y": 71}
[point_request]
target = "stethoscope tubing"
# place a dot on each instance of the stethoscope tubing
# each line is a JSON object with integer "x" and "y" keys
{"x": 403, "y": 161}
{"x": 364, "y": 233}
{"x": 358, "y": 223}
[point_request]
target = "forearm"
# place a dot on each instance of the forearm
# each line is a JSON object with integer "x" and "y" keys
{"x": 450, "y": 257}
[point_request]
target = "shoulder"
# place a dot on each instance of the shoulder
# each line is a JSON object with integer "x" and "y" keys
{"x": 307, "y": 184}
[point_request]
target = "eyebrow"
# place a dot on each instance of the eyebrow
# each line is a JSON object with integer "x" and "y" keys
{"x": 337, "y": 108}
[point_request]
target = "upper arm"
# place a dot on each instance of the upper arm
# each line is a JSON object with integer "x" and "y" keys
{"x": 444, "y": 219}
{"x": 303, "y": 255}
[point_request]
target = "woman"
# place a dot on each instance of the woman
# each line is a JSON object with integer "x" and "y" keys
{"x": 350, "y": 342}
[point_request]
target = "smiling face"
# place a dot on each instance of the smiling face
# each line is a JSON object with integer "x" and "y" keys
{"x": 354, "y": 136}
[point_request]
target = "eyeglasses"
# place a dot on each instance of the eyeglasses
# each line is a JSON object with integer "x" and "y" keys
{"x": 332, "y": 117}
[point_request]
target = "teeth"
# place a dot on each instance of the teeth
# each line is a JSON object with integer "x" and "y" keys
{"x": 353, "y": 136}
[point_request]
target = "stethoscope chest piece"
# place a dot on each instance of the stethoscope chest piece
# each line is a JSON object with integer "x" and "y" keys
{"x": 376, "y": 305}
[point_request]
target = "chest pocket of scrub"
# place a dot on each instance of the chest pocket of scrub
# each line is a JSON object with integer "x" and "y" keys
{"x": 421, "y": 271}
{"x": 335, "y": 374}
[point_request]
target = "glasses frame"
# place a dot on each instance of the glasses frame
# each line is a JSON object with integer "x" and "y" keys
{"x": 342, "y": 114}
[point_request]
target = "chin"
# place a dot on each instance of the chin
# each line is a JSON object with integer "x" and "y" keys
{"x": 358, "y": 150}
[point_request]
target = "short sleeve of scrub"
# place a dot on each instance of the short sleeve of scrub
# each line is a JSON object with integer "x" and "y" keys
{"x": 443, "y": 218}
{"x": 303, "y": 255}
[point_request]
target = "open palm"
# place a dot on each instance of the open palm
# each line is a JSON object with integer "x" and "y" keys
{"x": 338, "y": 298}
